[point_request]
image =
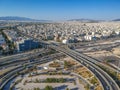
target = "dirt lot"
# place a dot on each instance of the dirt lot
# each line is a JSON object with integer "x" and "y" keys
{"x": 104, "y": 56}
{"x": 84, "y": 72}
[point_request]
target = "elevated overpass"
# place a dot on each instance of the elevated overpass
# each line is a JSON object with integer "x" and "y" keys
{"x": 107, "y": 82}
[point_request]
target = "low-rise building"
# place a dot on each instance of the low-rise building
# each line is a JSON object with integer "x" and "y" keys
{"x": 25, "y": 45}
{"x": 2, "y": 40}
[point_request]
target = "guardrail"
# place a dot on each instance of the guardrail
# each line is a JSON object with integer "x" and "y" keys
{"x": 79, "y": 57}
{"x": 12, "y": 74}
{"x": 74, "y": 55}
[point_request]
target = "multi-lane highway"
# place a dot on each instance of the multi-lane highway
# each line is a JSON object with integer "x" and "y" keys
{"x": 22, "y": 55}
{"x": 20, "y": 58}
{"x": 91, "y": 48}
{"x": 7, "y": 76}
{"x": 107, "y": 82}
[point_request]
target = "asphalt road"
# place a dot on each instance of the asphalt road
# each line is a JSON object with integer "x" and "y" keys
{"x": 7, "y": 76}
{"x": 107, "y": 82}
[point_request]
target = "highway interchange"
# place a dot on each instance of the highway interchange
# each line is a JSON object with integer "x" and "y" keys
{"x": 106, "y": 81}
{"x": 22, "y": 66}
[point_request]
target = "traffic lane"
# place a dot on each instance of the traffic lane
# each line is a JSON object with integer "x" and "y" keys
{"x": 74, "y": 56}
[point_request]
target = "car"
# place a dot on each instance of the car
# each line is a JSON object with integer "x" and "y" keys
{"x": 107, "y": 88}
{"x": 32, "y": 60}
{"x": 92, "y": 88}
{"x": 29, "y": 66}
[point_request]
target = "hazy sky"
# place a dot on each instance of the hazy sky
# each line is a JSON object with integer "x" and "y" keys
{"x": 61, "y": 9}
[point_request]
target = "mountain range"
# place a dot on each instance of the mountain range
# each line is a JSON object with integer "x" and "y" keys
{"x": 16, "y": 18}
{"x": 116, "y": 20}
{"x": 85, "y": 20}
{"x": 92, "y": 20}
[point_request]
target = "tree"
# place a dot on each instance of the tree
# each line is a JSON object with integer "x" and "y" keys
{"x": 94, "y": 80}
{"x": 66, "y": 64}
{"x": 67, "y": 89}
{"x": 1, "y": 48}
{"x": 36, "y": 88}
{"x": 48, "y": 88}
{"x": 37, "y": 81}
{"x": 87, "y": 87}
